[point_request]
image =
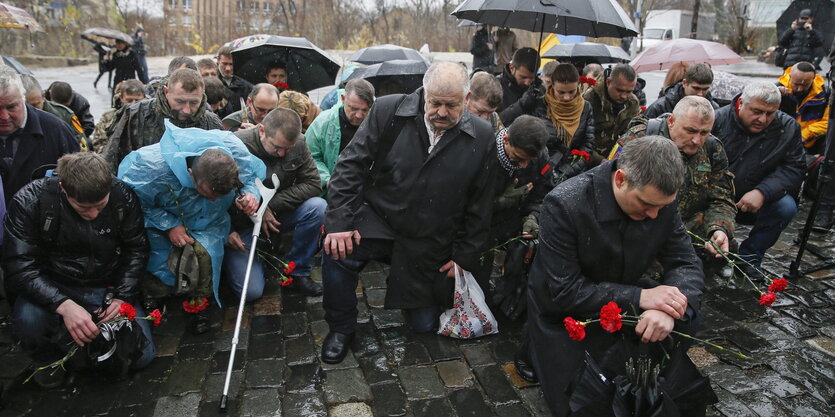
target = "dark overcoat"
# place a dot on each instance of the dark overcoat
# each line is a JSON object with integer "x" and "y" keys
{"x": 433, "y": 207}
{"x": 591, "y": 253}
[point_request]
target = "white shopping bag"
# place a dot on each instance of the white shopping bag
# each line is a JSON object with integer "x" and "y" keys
{"x": 469, "y": 316}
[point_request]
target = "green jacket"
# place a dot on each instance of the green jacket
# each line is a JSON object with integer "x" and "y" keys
{"x": 68, "y": 116}
{"x": 608, "y": 126}
{"x": 297, "y": 176}
{"x": 706, "y": 202}
{"x": 323, "y": 137}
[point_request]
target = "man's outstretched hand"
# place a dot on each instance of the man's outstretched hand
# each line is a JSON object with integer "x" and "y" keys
{"x": 78, "y": 321}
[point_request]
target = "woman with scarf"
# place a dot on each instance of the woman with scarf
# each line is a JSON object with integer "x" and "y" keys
{"x": 568, "y": 118}
{"x": 125, "y": 62}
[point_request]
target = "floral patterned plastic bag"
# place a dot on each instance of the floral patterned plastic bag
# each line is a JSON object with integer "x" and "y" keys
{"x": 469, "y": 316}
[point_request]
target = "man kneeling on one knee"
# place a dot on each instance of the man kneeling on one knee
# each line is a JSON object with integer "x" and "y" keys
{"x": 69, "y": 241}
{"x": 279, "y": 143}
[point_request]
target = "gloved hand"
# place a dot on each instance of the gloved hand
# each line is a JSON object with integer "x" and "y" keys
{"x": 512, "y": 196}
{"x": 530, "y": 226}
{"x": 534, "y": 94}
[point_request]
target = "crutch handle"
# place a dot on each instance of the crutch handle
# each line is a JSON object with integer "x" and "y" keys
{"x": 266, "y": 195}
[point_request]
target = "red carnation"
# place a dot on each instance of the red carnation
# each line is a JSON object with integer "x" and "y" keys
{"x": 581, "y": 154}
{"x": 778, "y": 285}
{"x": 287, "y": 282}
{"x": 156, "y": 316}
{"x": 127, "y": 310}
{"x": 610, "y": 319}
{"x": 291, "y": 266}
{"x": 576, "y": 330}
{"x": 768, "y": 299}
{"x": 643, "y": 109}
{"x": 545, "y": 169}
{"x": 588, "y": 80}
{"x": 281, "y": 86}
{"x": 195, "y": 305}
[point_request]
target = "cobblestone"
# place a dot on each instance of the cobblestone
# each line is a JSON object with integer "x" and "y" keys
{"x": 392, "y": 371}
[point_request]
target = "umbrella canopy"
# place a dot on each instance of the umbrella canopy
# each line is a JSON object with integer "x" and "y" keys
{"x": 106, "y": 36}
{"x": 17, "y": 18}
{"x": 726, "y": 85}
{"x": 587, "y": 51}
{"x": 383, "y": 53}
{"x": 16, "y": 65}
{"x": 595, "y": 18}
{"x": 691, "y": 51}
{"x": 308, "y": 67}
{"x": 467, "y": 23}
{"x": 822, "y": 11}
{"x": 401, "y": 76}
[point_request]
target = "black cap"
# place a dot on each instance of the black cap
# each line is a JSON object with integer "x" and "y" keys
{"x": 805, "y": 13}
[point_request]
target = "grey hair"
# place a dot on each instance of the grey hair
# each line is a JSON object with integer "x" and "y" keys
{"x": 653, "y": 160}
{"x": 700, "y": 105}
{"x": 30, "y": 84}
{"x": 761, "y": 90}
{"x": 10, "y": 79}
{"x": 442, "y": 76}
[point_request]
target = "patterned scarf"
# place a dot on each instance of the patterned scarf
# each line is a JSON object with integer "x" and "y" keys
{"x": 565, "y": 116}
{"x": 504, "y": 161}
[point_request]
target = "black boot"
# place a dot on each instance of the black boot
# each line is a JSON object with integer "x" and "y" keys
{"x": 306, "y": 286}
{"x": 199, "y": 323}
{"x": 335, "y": 347}
{"x": 823, "y": 219}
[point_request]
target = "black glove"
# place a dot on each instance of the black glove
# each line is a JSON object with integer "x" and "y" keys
{"x": 531, "y": 96}
{"x": 513, "y": 196}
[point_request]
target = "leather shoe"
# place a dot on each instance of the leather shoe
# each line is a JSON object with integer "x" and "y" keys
{"x": 335, "y": 347}
{"x": 200, "y": 323}
{"x": 306, "y": 286}
{"x": 524, "y": 367}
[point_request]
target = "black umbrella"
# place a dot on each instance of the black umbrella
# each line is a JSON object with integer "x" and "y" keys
{"x": 594, "y": 18}
{"x": 308, "y": 67}
{"x": 587, "y": 51}
{"x": 398, "y": 76}
{"x": 638, "y": 379}
{"x": 16, "y": 65}
{"x": 382, "y": 53}
{"x": 822, "y": 11}
{"x": 106, "y": 36}
{"x": 467, "y": 23}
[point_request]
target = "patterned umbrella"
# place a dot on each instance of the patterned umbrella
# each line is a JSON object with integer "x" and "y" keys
{"x": 691, "y": 51}
{"x": 17, "y": 18}
{"x": 106, "y": 36}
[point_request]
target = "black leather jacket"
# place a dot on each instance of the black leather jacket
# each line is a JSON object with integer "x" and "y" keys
{"x": 79, "y": 253}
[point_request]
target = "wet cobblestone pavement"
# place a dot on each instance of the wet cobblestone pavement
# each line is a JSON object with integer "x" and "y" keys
{"x": 392, "y": 371}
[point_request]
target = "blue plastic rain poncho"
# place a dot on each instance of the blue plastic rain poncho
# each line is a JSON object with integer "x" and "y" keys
{"x": 159, "y": 176}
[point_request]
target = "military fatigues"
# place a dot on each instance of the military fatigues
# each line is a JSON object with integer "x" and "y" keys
{"x": 706, "y": 202}
{"x": 608, "y": 125}
{"x": 68, "y": 116}
{"x": 101, "y": 135}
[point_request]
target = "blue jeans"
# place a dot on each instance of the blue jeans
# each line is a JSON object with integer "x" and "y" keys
{"x": 36, "y": 327}
{"x": 768, "y": 223}
{"x": 306, "y": 222}
{"x": 340, "y": 278}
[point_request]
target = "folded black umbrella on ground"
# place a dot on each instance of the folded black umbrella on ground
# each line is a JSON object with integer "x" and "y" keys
{"x": 511, "y": 293}
{"x": 641, "y": 379}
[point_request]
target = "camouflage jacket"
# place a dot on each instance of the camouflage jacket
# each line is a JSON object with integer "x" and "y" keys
{"x": 706, "y": 202}
{"x": 101, "y": 135}
{"x": 608, "y": 126}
